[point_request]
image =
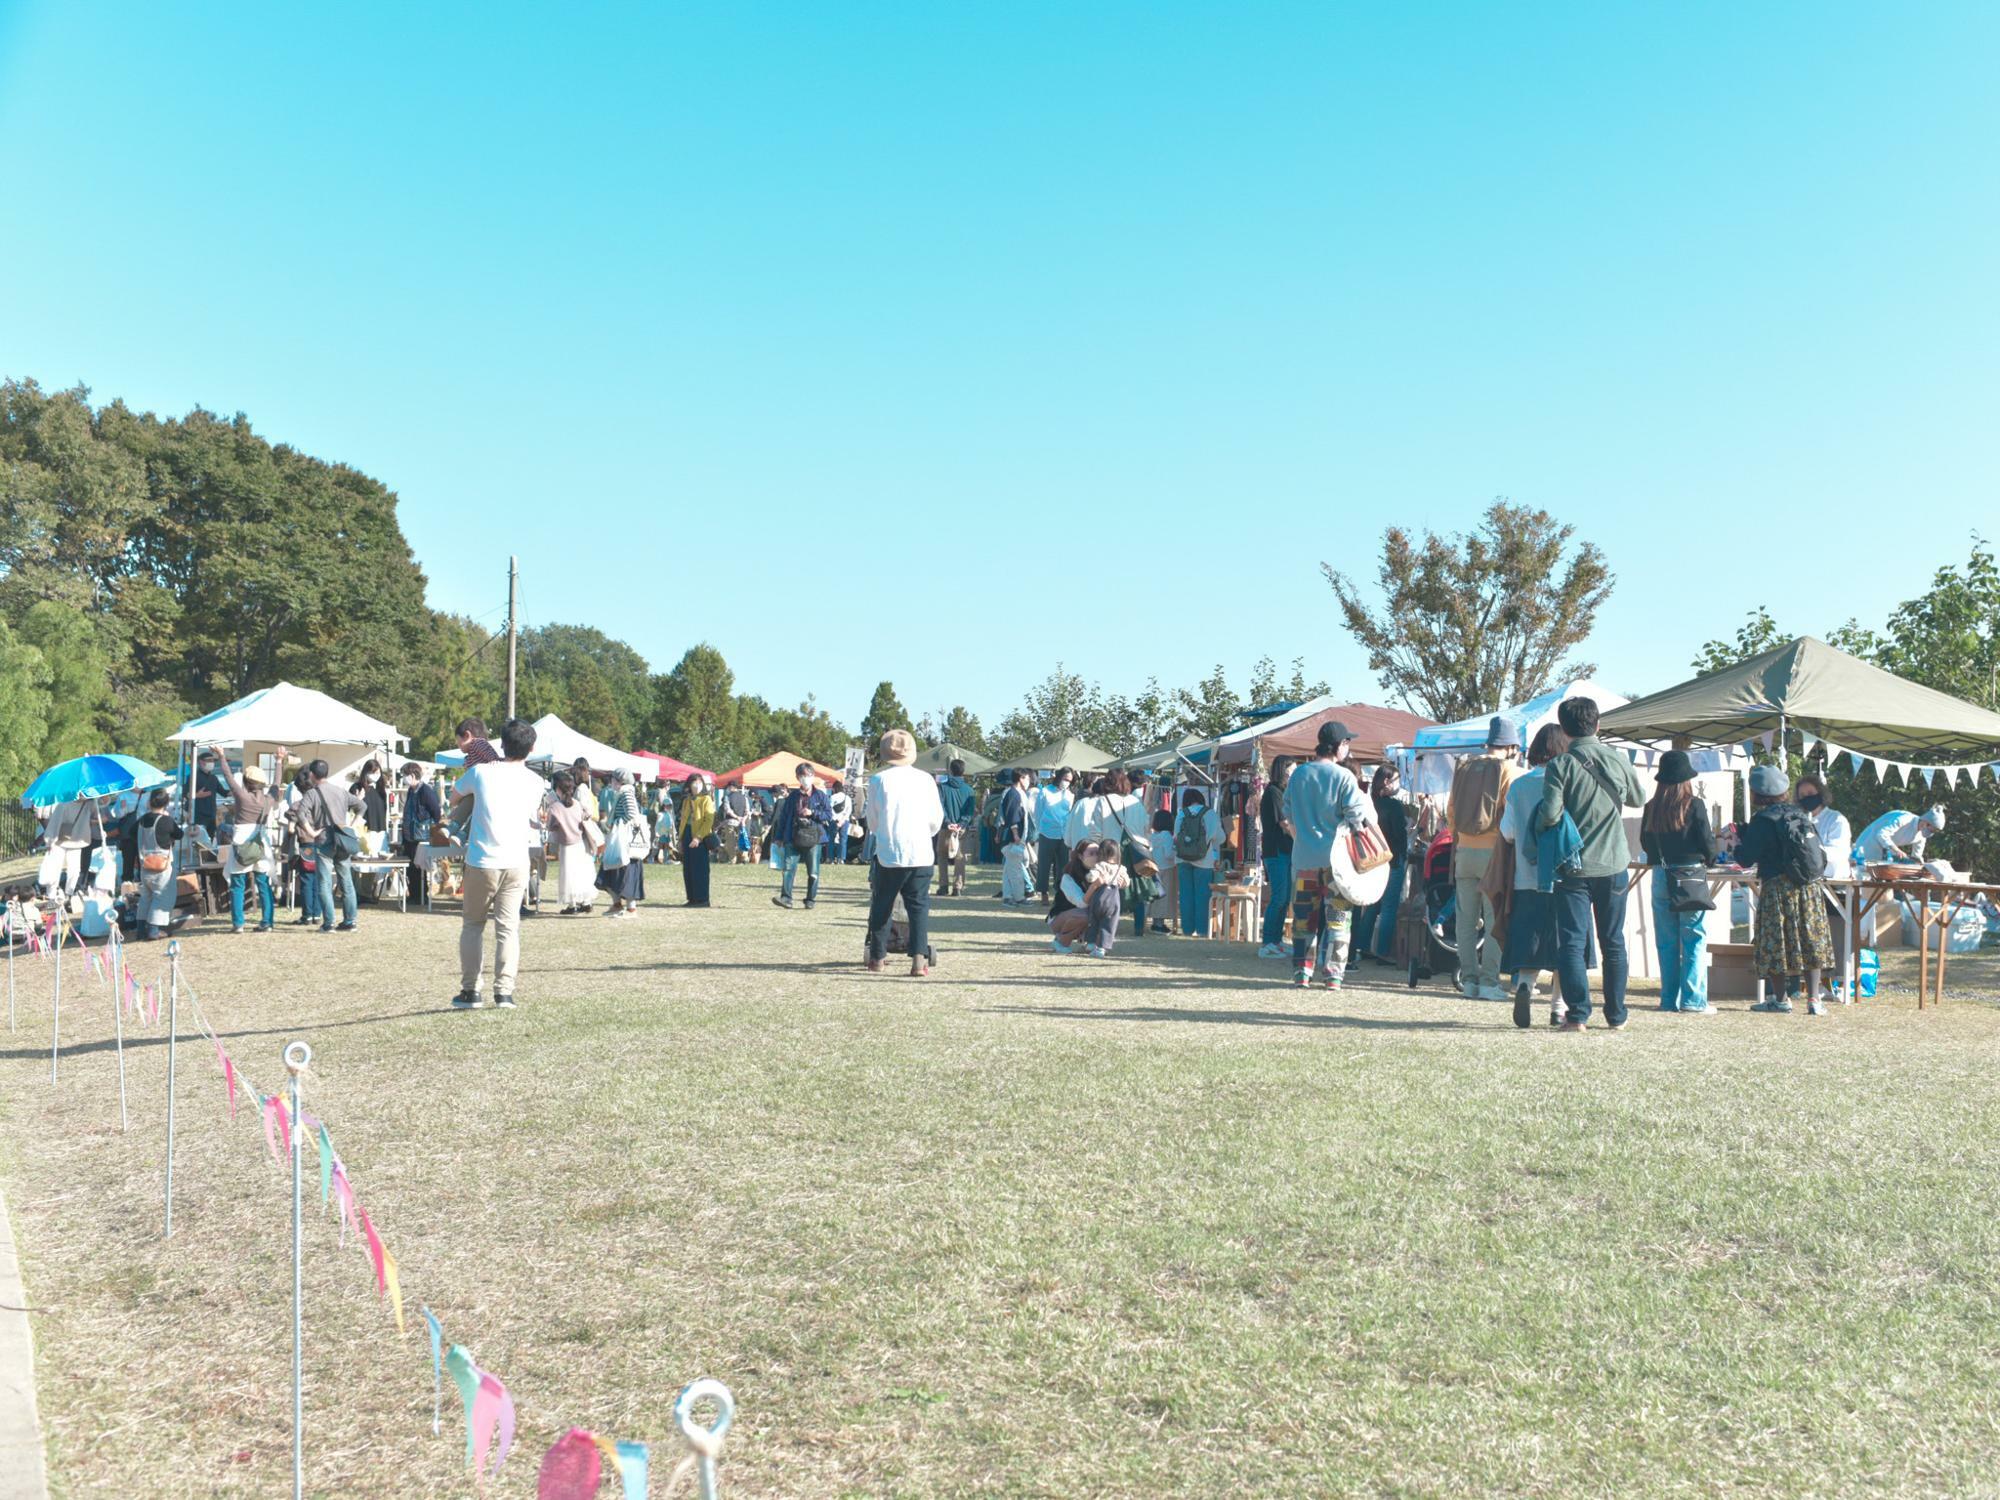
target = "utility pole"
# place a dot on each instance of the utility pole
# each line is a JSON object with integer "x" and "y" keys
{"x": 513, "y": 593}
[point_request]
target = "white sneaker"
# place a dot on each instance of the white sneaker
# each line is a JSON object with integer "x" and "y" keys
{"x": 1471, "y": 991}
{"x": 1272, "y": 950}
{"x": 1492, "y": 992}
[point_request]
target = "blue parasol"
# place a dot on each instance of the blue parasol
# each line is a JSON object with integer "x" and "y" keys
{"x": 91, "y": 776}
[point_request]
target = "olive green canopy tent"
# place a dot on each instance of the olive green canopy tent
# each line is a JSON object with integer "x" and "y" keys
{"x": 939, "y": 758}
{"x": 1164, "y": 753}
{"x": 1067, "y": 751}
{"x": 1810, "y": 686}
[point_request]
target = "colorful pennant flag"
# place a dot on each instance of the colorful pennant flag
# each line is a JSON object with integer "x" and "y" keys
{"x": 632, "y": 1469}
{"x": 325, "y": 1166}
{"x": 492, "y": 1408}
{"x": 374, "y": 1250}
{"x": 571, "y": 1469}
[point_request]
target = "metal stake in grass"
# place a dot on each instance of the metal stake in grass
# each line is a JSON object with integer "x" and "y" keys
{"x": 297, "y": 1056}
{"x": 13, "y": 936}
{"x": 55, "y": 1008}
{"x": 706, "y": 1441}
{"x": 173, "y": 1006}
{"x": 118, "y": 1025}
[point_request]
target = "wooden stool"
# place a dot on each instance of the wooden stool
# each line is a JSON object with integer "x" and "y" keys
{"x": 1232, "y": 913}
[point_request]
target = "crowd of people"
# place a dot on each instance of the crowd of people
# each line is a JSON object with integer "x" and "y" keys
{"x": 1536, "y": 873}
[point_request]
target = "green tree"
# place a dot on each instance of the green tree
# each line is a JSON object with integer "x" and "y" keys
{"x": 1266, "y": 686}
{"x": 24, "y": 712}
{"x": 591, "y": 676}
{"x": 884, "y": 713}
{"x": 1473, "y": 622}
{"x": 1757, "y": 634}
{"x": 1209, "y": 707}
{"x": 1060, "y": 704}
{"x": 589, "y": 706}
{"x": 80, "y": 711}
{"x": 695, "y": 710}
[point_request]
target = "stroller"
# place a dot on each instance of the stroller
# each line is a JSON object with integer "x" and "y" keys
{"x": 1432, "y": 936}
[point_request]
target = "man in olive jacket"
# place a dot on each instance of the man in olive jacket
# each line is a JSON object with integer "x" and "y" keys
{"x": 1594, "y": 785}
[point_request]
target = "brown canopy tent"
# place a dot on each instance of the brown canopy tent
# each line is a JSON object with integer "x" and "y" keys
{"x": 1296, "y": 733}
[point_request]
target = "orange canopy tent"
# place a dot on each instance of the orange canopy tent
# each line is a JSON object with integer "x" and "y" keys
{"x": 779, "y": 769}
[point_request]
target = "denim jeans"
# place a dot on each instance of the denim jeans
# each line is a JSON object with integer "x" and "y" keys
{"x": 1375, "y": 930}
{"x": 331, "y": 865}
{"x": 913, "y": 884}
{"x": 1195, "y": 883}
{"x": 1580, "y": 901}
{"x": 1277, "y": 894}
{"x": 838, "y": 845}
{"x": 1681, "y": 940}
{"x": 309, "y": 901}
{"x": 791, "y": 861}
{"x": 264, "y": 898}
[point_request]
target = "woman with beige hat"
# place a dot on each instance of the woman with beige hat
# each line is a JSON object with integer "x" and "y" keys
{"x": 904, "y": 816}
{"x": 250, "y": 841}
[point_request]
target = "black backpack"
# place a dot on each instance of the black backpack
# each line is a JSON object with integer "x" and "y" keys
{"x": 1798, "y": 838}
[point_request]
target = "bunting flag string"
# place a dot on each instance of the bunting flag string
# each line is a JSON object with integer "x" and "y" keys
{"x": 580, "y": 1460}
{"x": 1909, "y": 773}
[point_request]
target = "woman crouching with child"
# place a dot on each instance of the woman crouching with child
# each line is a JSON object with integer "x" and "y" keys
{"x": 1089, "y": 899}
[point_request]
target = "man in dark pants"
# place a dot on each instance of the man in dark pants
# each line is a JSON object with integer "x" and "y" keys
{"x": 905, "y": 815}
{"x": 1052, "y": 805}
{"x": 1594, "y": 784}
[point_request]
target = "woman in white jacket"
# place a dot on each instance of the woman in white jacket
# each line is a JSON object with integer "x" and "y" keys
{"x": 1111, "y": 811}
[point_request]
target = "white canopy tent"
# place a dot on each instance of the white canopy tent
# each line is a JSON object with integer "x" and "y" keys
{"x": 559, "y": 745}
{"x": 1426, "y": 762}
{"x": 309, "y": 723}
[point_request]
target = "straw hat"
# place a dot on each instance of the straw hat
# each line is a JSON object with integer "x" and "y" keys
{"x": 253, "y": 775}
{"x": 899, "y": 748}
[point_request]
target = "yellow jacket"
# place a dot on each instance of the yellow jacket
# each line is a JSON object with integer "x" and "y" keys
{"x": 698, "y": 816}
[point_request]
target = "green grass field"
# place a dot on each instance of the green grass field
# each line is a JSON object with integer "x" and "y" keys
{"x": 1035, "y": 1226}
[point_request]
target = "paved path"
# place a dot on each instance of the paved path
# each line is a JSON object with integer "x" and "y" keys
{"x": 21, "y": 1474}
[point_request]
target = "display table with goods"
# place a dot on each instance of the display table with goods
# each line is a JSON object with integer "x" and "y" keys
{"x": 1938, "y": 901}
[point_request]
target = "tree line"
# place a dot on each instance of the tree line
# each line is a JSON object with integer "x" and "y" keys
{"x": 153, "y": 569}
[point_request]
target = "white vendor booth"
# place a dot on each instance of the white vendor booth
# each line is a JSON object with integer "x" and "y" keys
{"x": 557, "y": 745}
{"x": 310, "y": 724}
{"x": 306, "y": 722}
{"x": 1427, "y": 763}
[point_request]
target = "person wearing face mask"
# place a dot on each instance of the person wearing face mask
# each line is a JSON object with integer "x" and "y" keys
{"x": 1052, "y": 808}
{"x": 698, "y": 842}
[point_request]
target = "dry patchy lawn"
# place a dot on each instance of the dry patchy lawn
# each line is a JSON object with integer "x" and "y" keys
{"x": 1155, "y": 1226}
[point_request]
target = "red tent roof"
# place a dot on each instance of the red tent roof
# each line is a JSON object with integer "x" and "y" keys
{"x": 674, "y": 770}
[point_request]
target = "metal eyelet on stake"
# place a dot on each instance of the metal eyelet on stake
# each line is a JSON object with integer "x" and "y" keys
{"x": 298, "y": 1056}
{"x": 706, "y": 1441}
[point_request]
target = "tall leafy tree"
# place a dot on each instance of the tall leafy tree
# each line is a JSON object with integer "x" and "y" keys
{"x": 1472, "y": 622}
{"x": 1210, "y": 707}
{"x": 1060, "y": 704}
{"x": 695, "y": 710}
{"x": 24, "y": 712}
{"x": 885, "y": 712}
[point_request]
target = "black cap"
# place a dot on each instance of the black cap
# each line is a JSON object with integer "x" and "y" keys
{"x": 1333, "y": 734}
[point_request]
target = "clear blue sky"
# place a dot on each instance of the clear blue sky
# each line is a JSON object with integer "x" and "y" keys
{"x": 816, "y": 301}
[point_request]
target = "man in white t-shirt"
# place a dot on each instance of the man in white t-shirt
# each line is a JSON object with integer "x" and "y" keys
{"x": 904, "y": 816}
{"x": 503, "y": 801}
